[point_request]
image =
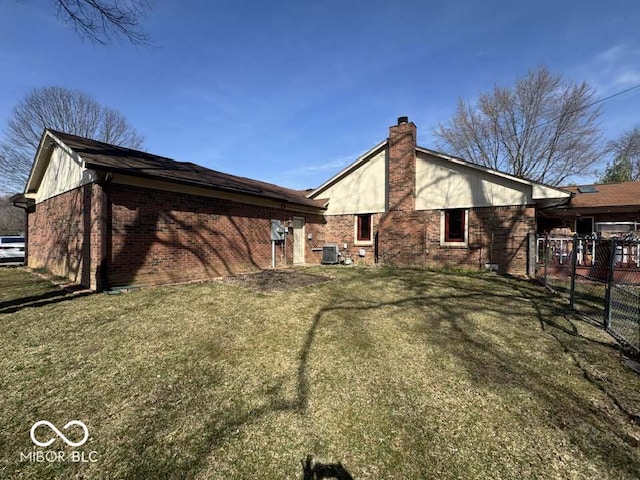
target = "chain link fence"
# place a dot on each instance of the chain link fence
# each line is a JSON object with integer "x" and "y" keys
{"x": 599, "y": 277}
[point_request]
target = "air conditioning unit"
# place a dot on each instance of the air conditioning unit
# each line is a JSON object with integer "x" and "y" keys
{"x": 330, "y": 254}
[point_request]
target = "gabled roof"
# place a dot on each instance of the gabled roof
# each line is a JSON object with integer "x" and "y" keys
{"x": 607, "y": 195}
{"x": 459, "y": 161}
{"x": 354, "y": 166}
{"x": 558, "y": 191}
{"x": 116, "y": 159}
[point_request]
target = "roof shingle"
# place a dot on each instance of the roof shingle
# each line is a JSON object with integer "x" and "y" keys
{"x": 134, "y": 162}
{"x": 608, "y": 195}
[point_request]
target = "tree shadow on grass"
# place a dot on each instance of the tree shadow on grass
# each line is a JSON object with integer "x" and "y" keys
{"x": 47, "y": 298}
{"x": 446, "y": 321}
{"x": 570, "y": 344}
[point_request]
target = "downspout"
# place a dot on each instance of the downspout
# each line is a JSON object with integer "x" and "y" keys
{"x": 105, "y": 227}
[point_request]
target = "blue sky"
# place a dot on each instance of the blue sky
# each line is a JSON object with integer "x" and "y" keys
{"x": 292, "y": 92}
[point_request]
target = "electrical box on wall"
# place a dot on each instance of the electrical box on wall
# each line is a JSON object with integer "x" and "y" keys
{"x": 277, "y": 230}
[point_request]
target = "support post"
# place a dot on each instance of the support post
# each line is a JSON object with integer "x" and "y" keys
{"x": 546, "y": 258}
{"x": 531, "y": 258}
{"x": 574, "y": 256}
{"x": 607, "y": 298}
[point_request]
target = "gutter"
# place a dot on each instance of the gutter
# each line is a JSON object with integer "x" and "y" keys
{"x": 562, "y": 203}
{"x": 284, "y": 201}
{"x": 19, "y": 200}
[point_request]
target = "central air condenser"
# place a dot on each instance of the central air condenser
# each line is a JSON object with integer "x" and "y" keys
{"x": 330, "y": 254}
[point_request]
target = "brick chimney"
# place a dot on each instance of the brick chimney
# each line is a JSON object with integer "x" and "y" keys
{"x": 400, "y": 235}
{"x": 402, "y": 166}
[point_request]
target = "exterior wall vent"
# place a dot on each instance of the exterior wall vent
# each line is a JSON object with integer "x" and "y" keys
{"x": 329, "y": 254}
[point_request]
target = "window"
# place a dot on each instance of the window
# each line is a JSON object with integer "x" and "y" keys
{"x": 364, "y": 228}
{"x": 584, "y": 226}
{"x": 616, "y": 229}
{"x": 454, "y": 227}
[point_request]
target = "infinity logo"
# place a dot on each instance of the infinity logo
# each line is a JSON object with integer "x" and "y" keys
{"x": 32, "y": 433}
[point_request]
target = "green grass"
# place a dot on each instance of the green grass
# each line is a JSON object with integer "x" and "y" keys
{"x": 393, "y": 373}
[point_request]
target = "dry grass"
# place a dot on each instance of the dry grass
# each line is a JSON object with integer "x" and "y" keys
{"x": 393, "y": 373}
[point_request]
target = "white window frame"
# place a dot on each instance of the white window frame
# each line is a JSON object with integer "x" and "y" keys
{"x": 443, "y": 242}
{"x": 362, "y": 243}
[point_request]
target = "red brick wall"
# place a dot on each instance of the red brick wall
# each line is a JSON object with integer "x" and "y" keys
{"x": 339, "y": 229}
{"x": 162, "y": 237}
{"x": 496, "y": 235}
{"x": 64, "y": 235}
{"x": 136, "y": 236}
{"x": 413, "y": 239}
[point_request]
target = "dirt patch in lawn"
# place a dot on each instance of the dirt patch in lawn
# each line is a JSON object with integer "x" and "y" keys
{"x": 277, "y": 280}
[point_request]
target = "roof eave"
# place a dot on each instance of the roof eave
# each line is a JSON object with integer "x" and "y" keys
{"x": 357, "y": 163}
{"x": 285, "y": 201}
{"x": 45, "y": 148}
{"x": 42, "y": 146}
{"x": 491, "y": 171}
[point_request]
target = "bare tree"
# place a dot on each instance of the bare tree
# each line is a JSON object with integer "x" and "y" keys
{"x": 625, "y": 163}
{"x": 69, "y": 111}
{"x": 12, "y": 219}
{"x": 543, "y": 128}
{"x": 102, "y": 21}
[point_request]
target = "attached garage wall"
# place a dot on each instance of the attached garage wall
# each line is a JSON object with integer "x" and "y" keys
{"x": 164, "y": 237}
{"x": 64, "y": 235}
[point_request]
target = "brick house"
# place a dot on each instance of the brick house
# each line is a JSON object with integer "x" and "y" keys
{"x": 403, "y": 204}
{"x": 107, "y": 216}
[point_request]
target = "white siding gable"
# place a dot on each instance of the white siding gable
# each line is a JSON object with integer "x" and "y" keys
{"x": 63, "y": 173}
{"x": 444, "y": 184}
{"x": 363, "y": 190}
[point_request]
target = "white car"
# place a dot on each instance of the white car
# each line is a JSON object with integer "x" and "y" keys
{"x": 11, "y": 250}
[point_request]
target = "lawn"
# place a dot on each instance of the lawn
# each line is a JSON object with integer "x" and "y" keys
{"x": 375, "y": 373}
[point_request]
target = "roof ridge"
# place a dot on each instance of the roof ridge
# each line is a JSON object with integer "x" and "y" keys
{"x": 170, "y": 159}
{"x": 137, "y": 162}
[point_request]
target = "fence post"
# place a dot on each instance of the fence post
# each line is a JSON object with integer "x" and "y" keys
{"x": 545, "y": 250}
{"x": 607, "y": 298}
{"x": 574, "y": 256}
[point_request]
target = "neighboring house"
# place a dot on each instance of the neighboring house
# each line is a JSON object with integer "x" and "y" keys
{"x": 404, "y": 204}
{"x": 608, "y": 210}
{"x": 108, "y": 216}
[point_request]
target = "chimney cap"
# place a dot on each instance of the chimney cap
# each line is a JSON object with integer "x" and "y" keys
{"x": 402, "y": 120}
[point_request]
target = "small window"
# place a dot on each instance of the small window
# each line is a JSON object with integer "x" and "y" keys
{"x": 453, "y": 227}
{"x": 363, "y": 228}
